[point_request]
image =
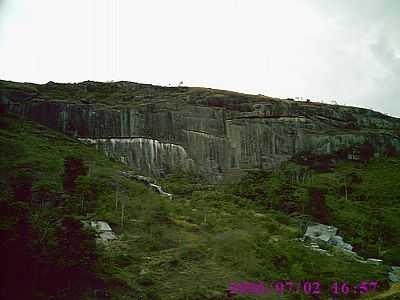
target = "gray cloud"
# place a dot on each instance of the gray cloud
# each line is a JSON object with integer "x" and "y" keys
{"x": 1, "y": 7}
{"x": 361, "y": 51}
{"x": 386, "y": 55}
{"x": 387, "y": 92}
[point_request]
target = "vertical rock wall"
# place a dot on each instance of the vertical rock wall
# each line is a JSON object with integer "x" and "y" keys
{"x": 161, "y": 138}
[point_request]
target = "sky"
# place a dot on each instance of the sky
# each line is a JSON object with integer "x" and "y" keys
{"x": 346, "y": 51}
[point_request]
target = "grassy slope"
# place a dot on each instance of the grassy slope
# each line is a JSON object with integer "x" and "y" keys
{"x": 188, "y": 248}
{"x": 120, "y": 94}
{"x": 367, "y": 217}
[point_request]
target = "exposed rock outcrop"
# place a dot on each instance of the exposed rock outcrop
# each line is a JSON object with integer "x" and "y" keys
{"x": 203, "y": 131}
{"x": 394, "y": 274}
{"x": 103, "y": 231}
{"x": 326, "y": 234}
{"x": 148, "y": 181}
{"x": 320, "y": 235}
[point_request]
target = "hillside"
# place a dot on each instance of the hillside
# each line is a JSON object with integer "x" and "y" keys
{"x": 192, "y": 247}
{"x": 210, "y": 133}
{"x": 123, "y": 93}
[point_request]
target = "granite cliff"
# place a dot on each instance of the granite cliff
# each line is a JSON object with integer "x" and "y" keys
{"x": 161, "y": 130}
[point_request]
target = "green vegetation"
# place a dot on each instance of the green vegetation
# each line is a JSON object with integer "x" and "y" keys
{"x": 121, "y": 94}
{"x": 192, "y": 247}
{"x": 361, "y": 199}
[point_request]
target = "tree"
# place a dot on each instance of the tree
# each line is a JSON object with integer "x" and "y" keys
{"x": 2, "y": 108}
{"x": 2, "y": 104}
{"x": 22, "y": 185}
{"x": 85, "y": 190}
{"x": 318, "y": 206}
{"x": 17, "y": 254}
{"x": 44, "y": 195}
{"x": 74, "y": 258}
{"x": 300, "y": 196}
{"x": 366, "y": 152}
{"x": 273, "y": 189}
{"x": 122, "y": 212}
{"x": 73, "y": 168}
{"x": 390, "y": 150}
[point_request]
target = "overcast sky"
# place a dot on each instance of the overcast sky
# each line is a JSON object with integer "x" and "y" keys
{"x": 343, "y": 50}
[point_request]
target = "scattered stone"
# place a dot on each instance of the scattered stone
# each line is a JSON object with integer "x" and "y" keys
{"x": 374, "y": 261}
{"x": 131, "y": 175}
{"x": 315, "y": 247}
{"x": 274, "y": 239}
{"x": 320, "y": 250}
{"x": 299, "y": 239}
{"x": 361, "y": 261}
{"x": 259, "y": 215}
{"x": 148, "y": 181}
{"x": 349, "y": 252}
{"x": 159, "y": 190}
{"x": 135, "y": 220}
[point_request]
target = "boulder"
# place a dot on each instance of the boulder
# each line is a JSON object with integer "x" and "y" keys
{"x": 103, "y": 230}
{"x": 394, "y": 275}
{"x": 338, "y": 242}
{"x": 100, "y": 226}
{"x": 320, "y": 232}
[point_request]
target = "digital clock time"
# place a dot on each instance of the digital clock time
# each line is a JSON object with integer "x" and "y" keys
{"x": 344, "y": 288}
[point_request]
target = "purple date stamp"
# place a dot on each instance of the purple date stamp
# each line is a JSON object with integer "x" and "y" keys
{"x": 305, "y": 287}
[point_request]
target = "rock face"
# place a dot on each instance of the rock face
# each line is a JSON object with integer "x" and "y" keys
{"x": 213, "y": 133}
{"x": 148, "y": 155}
